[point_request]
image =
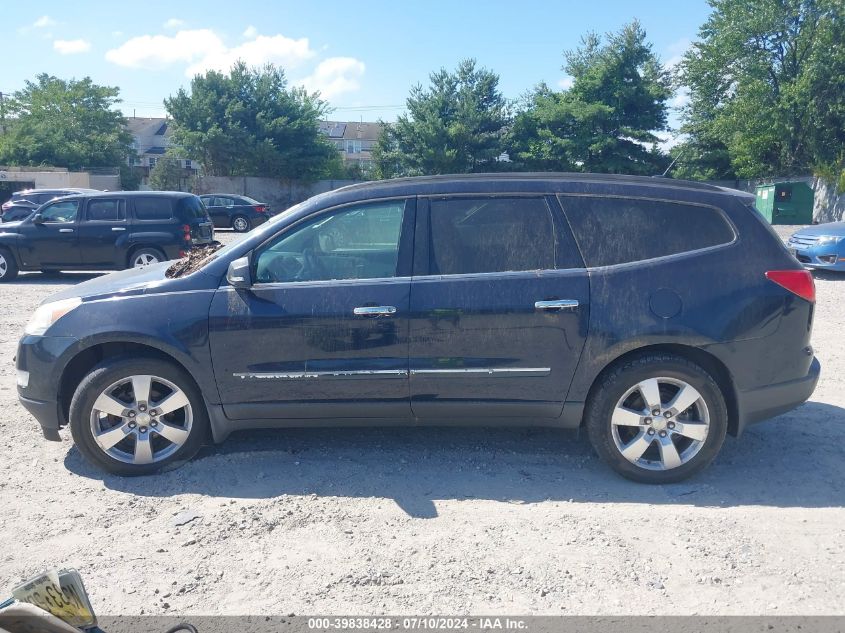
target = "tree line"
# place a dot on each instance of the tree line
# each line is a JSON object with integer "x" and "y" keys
{"x": 765, "y": 81}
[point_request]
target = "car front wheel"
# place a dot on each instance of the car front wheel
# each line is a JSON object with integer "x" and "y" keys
{"x": 137, "y": 416}
{"x": 657, "y": 418}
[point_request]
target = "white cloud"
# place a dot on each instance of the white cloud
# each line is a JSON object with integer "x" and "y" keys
{"x": 72, "y": 47}
{"x": 43, "y": 22}
{"x": 173, "y": 23}
{"x": 160, "y": 51}
{"x": 335, "y": 76}
{"x": 250, "y": 32}
{"x": 566, "y": 83}
{"x": 275, "y": 49}
{"x": 680, "y": 99}
{"x": 203, "y": 50}
{"x": 675, "y": 52}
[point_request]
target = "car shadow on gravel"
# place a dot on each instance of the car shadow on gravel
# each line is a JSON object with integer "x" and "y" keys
{"x": 795, "y": 460}
{"x": 828, "y": 275}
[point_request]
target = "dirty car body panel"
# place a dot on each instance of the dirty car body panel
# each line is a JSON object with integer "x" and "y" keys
{"x": 440, "y": 340}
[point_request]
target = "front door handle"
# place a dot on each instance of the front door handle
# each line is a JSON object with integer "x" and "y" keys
{"x": 65, "y": 230}
{"x": 374, "y": 311}
{"x": 118, "y": 228}
{"x": 556, "y": 304}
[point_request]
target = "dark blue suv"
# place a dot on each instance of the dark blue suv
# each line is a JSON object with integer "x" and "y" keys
{"x": 658, "y": 314}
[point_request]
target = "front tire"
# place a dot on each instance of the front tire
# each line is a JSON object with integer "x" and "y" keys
{"x": 657, "y": 418}
{"x": 8, "y": 266}
{"x": 137, "y": 416}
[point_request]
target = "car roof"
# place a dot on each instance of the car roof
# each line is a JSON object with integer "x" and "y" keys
{"x": 25, "y": 192}
{"x": 134, "y": 194}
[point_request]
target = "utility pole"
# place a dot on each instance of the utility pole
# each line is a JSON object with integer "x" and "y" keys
{"x": 2, "y": 114}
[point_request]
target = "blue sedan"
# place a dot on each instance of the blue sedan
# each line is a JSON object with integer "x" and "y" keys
{"x": 820, "y": 246}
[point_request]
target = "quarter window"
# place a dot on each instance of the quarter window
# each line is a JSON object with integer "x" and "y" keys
{"x": 64, "y": 211}
{"x": 619, "y": 230}
{"x": 359, "y": 242}
{"x": 484, "y": 235}
{"x": 153, "y": 209}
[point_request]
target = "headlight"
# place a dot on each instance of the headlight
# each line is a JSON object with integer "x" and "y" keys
{"x": 48, "y": 314}
{"x": 828, "y": 239}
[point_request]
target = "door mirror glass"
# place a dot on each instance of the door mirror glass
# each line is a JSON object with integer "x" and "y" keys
{"x": 238, "y": 274}
{"x": 355, "y": 242}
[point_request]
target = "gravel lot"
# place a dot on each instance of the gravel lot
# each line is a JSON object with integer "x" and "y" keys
{"x": 432, "y": 520}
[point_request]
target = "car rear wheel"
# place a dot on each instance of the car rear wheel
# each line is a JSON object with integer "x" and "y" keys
{"x": 241, "y": 224}
{"x": 8, "y": 267}
{"x": 145, "y": 257}
{"x": 137, "y": 416}
{"x": 657, "y": 418}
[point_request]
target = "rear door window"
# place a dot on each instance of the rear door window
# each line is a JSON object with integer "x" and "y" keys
{"x": 111, "y": 210}
{"x": 153, "y": 208}
{"x": 490, "y": 234}
{"x": 622, "y": 230}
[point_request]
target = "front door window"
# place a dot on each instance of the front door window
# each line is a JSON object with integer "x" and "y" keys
{"x": 357, "y": 242}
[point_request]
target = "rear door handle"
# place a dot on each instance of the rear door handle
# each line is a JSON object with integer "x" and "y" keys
{"x": 65, "y": 230}
{"x": 118, "y": 228}
{"x": 556, "y": 304}
{"x": 374, "y": 311}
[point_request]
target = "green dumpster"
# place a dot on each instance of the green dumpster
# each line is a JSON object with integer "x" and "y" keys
{"x": 786, "y": 202}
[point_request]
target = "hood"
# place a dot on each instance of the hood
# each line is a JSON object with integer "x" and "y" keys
{"x": 135, "y": 281}
{"x": 831, "y": 228}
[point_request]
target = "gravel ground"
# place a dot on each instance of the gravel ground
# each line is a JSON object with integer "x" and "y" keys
{"x": 432, "y": 520}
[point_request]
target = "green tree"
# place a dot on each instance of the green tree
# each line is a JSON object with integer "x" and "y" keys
{"x": 454, "y": 126}
{"x": 767, "y": 89}
{"x": 607, "y": 120}
{"x": 167, "y": 174}
{"x": 62, "y": 123}
{"x": 251, "y": 123}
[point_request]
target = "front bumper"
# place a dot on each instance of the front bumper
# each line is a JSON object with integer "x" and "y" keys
{"x": 766, "y": 402}
{"x": 828, "y": 257}
{"x": 44, "y": 359}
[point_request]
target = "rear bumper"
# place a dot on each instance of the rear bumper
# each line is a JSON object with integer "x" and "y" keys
{"x": 764, "y": 403}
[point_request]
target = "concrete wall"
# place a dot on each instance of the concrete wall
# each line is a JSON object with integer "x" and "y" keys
{"x": 278, "y": 194}
{"x": 105, "y": 182}
{"x": 44, "y": 179}
{"x": 828, "y": 203}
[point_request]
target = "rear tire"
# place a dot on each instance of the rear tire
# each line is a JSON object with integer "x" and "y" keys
{"x": 241, "y": 224}
{"x": 120, "y": 422}
{"x": 657, "y": 418}
{"x": 145, "y": 257}
{"x": 8, "y": 266}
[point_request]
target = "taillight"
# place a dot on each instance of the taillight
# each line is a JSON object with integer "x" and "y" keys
{"x": 260, "y": 208}
{"x": 186, "y": 228}
{"x": 799, "y": 282}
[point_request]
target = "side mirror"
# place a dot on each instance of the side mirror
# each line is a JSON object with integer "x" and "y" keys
{"x": 239, "y": 275}
{"x": 37, "y": 219}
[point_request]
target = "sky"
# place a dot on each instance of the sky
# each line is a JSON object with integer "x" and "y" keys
{"x": 362, "y": 57}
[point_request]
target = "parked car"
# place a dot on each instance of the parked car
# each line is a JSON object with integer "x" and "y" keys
{"x": 104, "y": 231}
{"x": 16, "y": 213}
{"x": 658, "y": 314}
{"x": 238, "y": 212}
{"x": 34, "y": 198}
{"x": 820, "y": 246}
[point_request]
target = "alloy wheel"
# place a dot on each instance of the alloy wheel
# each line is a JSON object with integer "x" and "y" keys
{"x": 4, "y": 266}
{"x": 141, "y": 419}
{"x": 241, "y": 225}
{"x": 660, "y": 423}
{"x": 144, "y": 259}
